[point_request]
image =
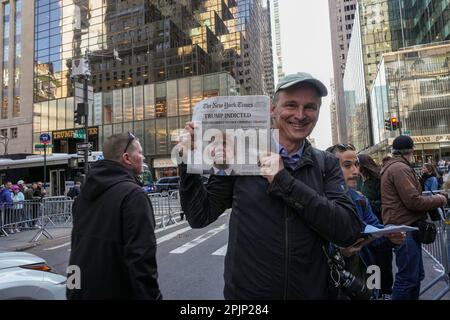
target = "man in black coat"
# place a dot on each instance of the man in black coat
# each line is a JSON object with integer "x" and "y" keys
{"x": 113, "y": 238}
{"x": 281, "y": 220}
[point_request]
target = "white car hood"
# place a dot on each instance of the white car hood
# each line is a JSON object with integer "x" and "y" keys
{"x": 15, "y": 259}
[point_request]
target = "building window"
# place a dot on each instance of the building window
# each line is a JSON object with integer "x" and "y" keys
{"x": 4, "y": 132}
{"x": 14, "y": 133}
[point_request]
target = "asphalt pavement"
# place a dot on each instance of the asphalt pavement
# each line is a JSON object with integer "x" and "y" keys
{"x": 190, "y": 261}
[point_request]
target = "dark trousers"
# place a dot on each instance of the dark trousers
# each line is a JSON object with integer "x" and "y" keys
{"x": 383, "y": 258}
{"x": 410, "y": 270}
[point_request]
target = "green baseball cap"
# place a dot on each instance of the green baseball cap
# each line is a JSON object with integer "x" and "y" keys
{"x": 293, "y": 79}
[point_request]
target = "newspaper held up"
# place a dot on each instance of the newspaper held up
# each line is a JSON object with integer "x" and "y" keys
{"x": 230, "y": 133}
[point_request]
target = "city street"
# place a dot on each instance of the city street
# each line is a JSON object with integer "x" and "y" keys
{"x": 190, "y": 261}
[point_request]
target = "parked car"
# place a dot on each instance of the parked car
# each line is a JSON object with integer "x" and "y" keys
{"x": 167, "y": 183}
{"x": 28, "y": 277}
{"x": 149, "y": 189}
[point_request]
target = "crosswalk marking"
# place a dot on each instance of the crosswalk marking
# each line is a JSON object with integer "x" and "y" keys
{"x": 172, "y": 235}
{"x": 221, "y": 251}
{"x": 181, "y": 249}
{"x": 185, "y": 247}
{"x": 57, "y": 247}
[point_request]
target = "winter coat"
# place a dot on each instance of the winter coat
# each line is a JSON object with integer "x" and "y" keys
{"x": 74, "y": 192}
{"x": 18, "y": 200}
{"x": 371, "y": 189}
{"x": 5, "y": 197}
{"x": 113, "y": 239}
{"x": 430, "y": 182}
{"x": 401, "y": 194}
{"x": 28, "y": 193}
{"x": 277, "y": 230}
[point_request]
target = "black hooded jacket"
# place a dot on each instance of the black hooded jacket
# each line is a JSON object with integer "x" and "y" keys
{"x": 113, "y": 239}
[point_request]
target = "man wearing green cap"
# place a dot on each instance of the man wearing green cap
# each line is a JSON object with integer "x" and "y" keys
{"x": 282, "y": 220}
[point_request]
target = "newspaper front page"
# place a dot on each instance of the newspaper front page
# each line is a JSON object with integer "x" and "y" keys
{"x": 230, "y": 133}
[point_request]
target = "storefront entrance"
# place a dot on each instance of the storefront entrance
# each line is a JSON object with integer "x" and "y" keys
{"x": 65, "y": 141}
{"x": 164, "y": 167}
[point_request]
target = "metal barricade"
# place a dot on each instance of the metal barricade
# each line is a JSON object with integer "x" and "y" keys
{"x": 438, "y": 251}
{"x": 161, "y": 209}
{"x": 174, "y": 203}
{"x": 56, "y": 212}
{"x": 20, "y": 215}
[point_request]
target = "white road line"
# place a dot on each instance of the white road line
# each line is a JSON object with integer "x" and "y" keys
{"x": 221, "y": 251}
{"x": 57, "y": 247}
{"x": 162, "y": 239}
{"x": 171, "y": 235}
{"x": 185, "y": 247}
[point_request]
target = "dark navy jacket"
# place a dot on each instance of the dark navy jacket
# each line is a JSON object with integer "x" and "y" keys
{"x": 369, "y": 218}
{"x": 5, "y": 198}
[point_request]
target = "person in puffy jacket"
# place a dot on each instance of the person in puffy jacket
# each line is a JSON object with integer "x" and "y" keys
{"x": 282, "y": 220}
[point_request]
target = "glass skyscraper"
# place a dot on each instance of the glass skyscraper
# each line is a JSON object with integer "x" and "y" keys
{"x": 381, "y": 27}
{"x": 173, "y": 54}
{"x": 414, "y": 85}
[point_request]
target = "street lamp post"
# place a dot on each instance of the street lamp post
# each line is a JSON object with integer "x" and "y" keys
{"x": 81, "y": 71}
{"x": 4, "y": 140}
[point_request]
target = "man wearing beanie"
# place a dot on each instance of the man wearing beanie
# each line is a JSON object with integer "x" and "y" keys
{"x": 403, "y": 203}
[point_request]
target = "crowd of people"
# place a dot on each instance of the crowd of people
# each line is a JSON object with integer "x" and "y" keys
{"x": 13, "y": 195}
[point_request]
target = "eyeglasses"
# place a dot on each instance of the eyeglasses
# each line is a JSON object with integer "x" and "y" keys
{"x": 341, "y": 147}
{"x": 131, "y": 137}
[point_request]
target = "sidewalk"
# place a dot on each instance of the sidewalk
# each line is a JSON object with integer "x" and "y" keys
{"x": 21, "y": 241}
{"x": 432, "y": 271}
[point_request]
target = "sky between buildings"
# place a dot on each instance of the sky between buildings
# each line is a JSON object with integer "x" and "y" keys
{"x": 306, "y": 46}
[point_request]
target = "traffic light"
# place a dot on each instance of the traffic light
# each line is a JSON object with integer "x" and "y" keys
{"x": 394, "y": 123}
{"x": 387, "y": 124}
{"x": 78, "y": 113}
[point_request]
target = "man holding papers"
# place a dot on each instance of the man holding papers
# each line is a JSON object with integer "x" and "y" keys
{"x": 359, "y": 256}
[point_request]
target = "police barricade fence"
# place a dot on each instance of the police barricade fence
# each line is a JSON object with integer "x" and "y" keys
{"x": 56, "y": 213}
{"x": 21, "y": 215}
{"x": 438, "y": 251}
{"x": 42, "y": 214}
{"x": 165, "y": 207}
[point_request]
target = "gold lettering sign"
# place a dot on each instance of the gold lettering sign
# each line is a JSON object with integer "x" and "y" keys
{"x": 422, "y": 139}
{"x": 69, "y": 134}
{"x": 63, "y": 134}
{"x": 431, "y": 139}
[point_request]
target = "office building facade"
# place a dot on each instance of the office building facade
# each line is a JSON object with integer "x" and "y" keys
{"x": 16, "y": 30}
{"x": 276, "y": 12}
{"x": 172, "y": 55}
{"x": 342, "y": 15}
{"x": 383, "y": 26}
{"x": 333, "y": 115}
{"x": 266, "y": 43}
{"x": 413, "y": 85}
